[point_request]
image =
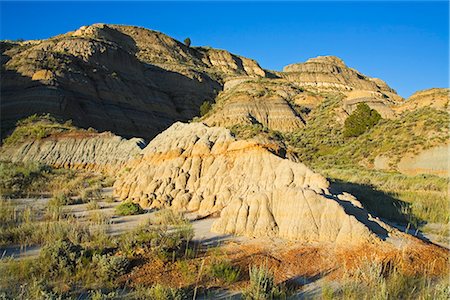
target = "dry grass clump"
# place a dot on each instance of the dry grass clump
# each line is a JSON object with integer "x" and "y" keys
{"x": 262, "y": 285}
{"x": 168, "y": 217}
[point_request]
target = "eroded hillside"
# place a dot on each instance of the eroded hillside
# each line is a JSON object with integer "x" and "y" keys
{"x": 131, "y": 81}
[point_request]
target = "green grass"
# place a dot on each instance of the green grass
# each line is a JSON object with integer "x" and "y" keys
{"x": 22, "y": 179}
{"x": 169, "y": 217}
{"x": 37, "y": 127}
{"x": 371, "y": 281}
{"x": 225, "y": 272}
{"x": 76, "y": 260}
{"x": 394, "y": 196}
{"x": 29, "y": 179}
{"x": 262, "y": 285}
{"x": 414, "y": 131}
{"x": 158, "y": 292}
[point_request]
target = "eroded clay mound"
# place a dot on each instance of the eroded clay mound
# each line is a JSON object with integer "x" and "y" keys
{"x": 193, "y": 167}
{"x": 103, "y": 152}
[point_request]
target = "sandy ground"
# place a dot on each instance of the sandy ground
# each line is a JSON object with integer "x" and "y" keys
{"x": 117, "y": 226}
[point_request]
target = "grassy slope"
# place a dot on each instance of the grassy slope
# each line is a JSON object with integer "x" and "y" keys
{"x": 37, "y": 127}
{"x": 388, "y": 194}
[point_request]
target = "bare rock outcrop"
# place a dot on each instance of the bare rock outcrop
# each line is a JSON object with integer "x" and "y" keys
{"x": 193, "y": 167}
{"x": 283, "y": 103}
{"x": 100, "y": 152}
{"x": 269, "y": 102}
{"x": 331, "y": 73}
{"x": 131, "y": 81}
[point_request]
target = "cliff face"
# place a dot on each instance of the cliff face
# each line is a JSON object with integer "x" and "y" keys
{"x": 128, "y": 80}
{"x": 100, "y": 152}
{"x": 257, "y": 193}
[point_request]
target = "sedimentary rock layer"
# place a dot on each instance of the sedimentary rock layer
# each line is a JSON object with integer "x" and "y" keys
{"x": 193, "y": 167}
{"x": 128, "y": 80}
{"x": 103, "y": 152}
{"x": 266, "y": 102}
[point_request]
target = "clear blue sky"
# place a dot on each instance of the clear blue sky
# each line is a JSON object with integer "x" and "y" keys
{"x": 403, "y": 43}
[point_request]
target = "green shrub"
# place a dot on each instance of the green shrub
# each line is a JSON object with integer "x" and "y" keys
{"x": 60, "y": 257}
{"x": 157, "y": 292}
{"x": 225, "y": 272}
{"x": 187, "y": 42}
{"x": 21, "y": 179}
{"x": 361, "y": 120}
{"x": 129, "y": 208}
{"x": 262, "y": 285}
{"x": 205, "y": 108}
{"x": 108, "y": 267}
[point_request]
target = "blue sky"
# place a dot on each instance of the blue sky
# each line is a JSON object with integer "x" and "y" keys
{"x": 404, "y": 43}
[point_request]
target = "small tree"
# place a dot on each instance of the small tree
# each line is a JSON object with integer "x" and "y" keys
{"x": 205, "y": 108}
{"x": 361, "y": 120}
{"x": 187, "y": 42}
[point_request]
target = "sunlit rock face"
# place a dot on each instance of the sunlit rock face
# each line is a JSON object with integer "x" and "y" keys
{"x": 192, "y": 167}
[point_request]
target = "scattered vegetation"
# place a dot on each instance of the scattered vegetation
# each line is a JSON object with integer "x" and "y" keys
{"x": 407, "y": 199}
{"x": 262, "y": 285}
{"x": 129, "y": 208}
{"x": 372, "y": 280}
{"x": 254, "y": 130}
{"x": 29, "y": 179}
{"x": 37, "y": 127}
{"x": 225, "y": 272}
{"x": 412, "y": 132}
{"x": 158, "y": 292}
{"x": 205, "y": 108}
{"x": 361, "y": 120}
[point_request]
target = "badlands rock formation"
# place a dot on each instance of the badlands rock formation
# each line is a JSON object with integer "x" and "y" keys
{"x": 269, "y": 102}
{"x": 131, "y": 81}
{"x": 283, "y": 103}
{"x": 193, "y": 167}
{"x": 102, "y": 152}
{"x": 330, "y": 72}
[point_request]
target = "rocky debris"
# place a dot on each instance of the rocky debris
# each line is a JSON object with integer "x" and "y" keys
{"x": 192, "y": 167}
{"x": 128, "y": 80}
{"x": 436, "y": 98}
{"x": 270, "y": 103}
{"x": 100, "y": 152}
